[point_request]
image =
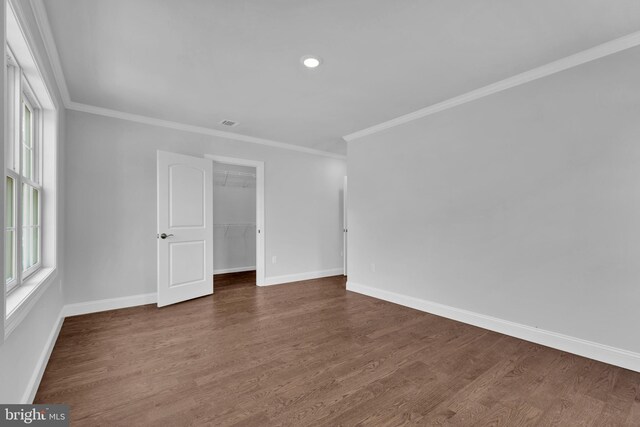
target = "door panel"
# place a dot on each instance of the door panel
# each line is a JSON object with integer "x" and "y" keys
{"x": 186, "y": 196}
{"x": 186, "y": 262}
{"x": 185, "y": 228}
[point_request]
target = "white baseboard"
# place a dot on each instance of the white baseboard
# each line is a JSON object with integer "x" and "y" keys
{"x": 592, "y": 350}
{"x": 233, "y": 270}
{"x": 36, "y": 376}
{"x": 74, "y": 310}
{"x": 278, "y": 280}
{"x": 108, "y": 304}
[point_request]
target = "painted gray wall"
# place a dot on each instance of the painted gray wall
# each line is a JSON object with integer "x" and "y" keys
{"x": 111, "y": 204}
{"x": 20, "y": 354}
{"x": 524, "y": 205}
{"x": 234, "y": 202}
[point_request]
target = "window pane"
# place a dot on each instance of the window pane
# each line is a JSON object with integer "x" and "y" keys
{"x": 27, "y": 142}
{"x": 30, "y": 227}
{"x": 9, "y": 202}
{"x": 27, "y": 163}
{"x": 9, "y": 256}
{"x": 26, "y": 250}
{"x": 35, "y": 245}
{"x": 26, "y": 202}
{"x": 28, "y": 259}
{"x": 10, "y": 233}
{"x": 26, "y": 127}
{"x": 35, "y": 201}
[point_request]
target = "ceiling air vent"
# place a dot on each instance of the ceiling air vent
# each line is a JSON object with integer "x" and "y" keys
{"x": 228, "y": 123}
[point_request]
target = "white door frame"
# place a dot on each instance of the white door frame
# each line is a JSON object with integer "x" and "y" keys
{"x": 345, "y": 228}
{"x": 259, "y": 165}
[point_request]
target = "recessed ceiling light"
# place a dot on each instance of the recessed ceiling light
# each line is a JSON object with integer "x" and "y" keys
{"x": 310, "y": 61}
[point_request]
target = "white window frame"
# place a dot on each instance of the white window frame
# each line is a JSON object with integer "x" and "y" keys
{"x": 39, "y": 84}
{"x": 10, "y": 285}
{"x": 36, "y": 119}
{"x": 20, "y": 91}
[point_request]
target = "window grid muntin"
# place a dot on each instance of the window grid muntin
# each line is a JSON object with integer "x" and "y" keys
{"x": 19, "y": 95}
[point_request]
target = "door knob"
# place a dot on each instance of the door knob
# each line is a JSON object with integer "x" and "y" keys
{"x": 164, "y": 235}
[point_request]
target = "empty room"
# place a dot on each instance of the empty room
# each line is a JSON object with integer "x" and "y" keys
{"x": 332, "y": 213}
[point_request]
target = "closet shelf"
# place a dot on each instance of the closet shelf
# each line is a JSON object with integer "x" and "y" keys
{"x": 223, "y": 177}
{"x": 235, "y": 173}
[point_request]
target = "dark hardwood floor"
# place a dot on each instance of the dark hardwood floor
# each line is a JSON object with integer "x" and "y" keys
{"x": 311, "y": 353}
{"x": 245, "y": 279}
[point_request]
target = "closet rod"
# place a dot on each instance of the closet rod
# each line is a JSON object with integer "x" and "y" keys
{"x": 234, "y": 173}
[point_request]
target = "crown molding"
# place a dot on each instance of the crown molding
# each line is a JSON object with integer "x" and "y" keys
{"x": 597, "y": 52}
{"x": 18, "y": 11}
{"x": 42, "y": 22}
{"x": 588, "y": 55}
{"x": 76, "y": 106}
{"x": 44, "y": 27}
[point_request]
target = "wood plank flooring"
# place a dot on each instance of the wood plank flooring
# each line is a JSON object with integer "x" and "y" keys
{"x": 311, "y": 353}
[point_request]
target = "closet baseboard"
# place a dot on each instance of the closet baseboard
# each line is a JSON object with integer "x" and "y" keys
{"x": 278, "y": 280}
{"x": 234, "y": 270}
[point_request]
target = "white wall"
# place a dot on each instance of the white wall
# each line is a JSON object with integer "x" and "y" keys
{"x": 111, "y": 204}
{"x": 524, "y": 205}
{"x": 234, "y": 202}
{"x": 24, "y": 350}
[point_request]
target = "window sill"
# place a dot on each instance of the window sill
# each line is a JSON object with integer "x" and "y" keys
{"x": 24, "y": 298}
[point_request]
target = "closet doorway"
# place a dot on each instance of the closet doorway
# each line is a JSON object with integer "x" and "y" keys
{"x": 238, "y": 219}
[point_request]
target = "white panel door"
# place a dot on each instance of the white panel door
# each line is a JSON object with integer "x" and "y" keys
{"x": 345, "y": 229}
{"x": 185, "y": 228}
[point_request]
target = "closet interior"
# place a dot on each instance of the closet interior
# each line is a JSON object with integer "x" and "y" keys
{"x": 234, "y": 218}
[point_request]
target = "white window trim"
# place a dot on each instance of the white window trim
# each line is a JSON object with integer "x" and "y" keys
{"x": 35, "y": 116}
{"x": 10, "y": 286}
{"x": 36, "y": 133}
{"x": 21, "y": 86}
{"x": 22, "y": 299}
{"x": 13, "y": 120}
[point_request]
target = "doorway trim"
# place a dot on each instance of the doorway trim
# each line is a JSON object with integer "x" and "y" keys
{"x": 260, "y": 224}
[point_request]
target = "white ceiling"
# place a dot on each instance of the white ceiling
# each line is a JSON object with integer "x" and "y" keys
{"x": 201, "y": 61}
